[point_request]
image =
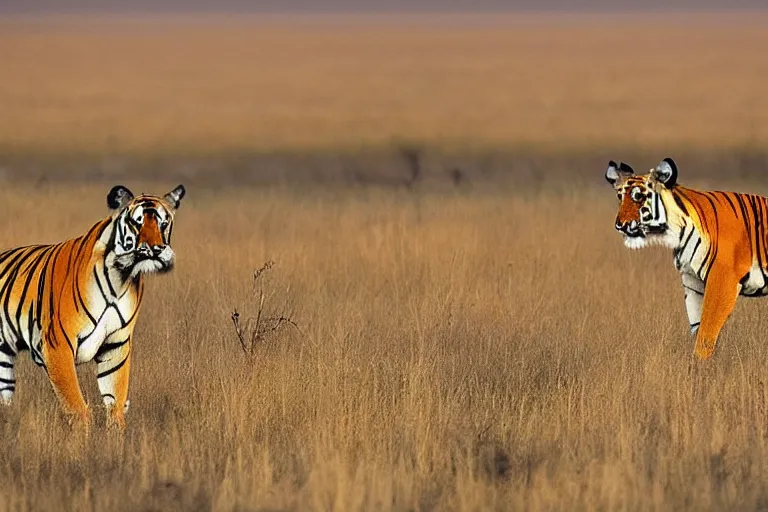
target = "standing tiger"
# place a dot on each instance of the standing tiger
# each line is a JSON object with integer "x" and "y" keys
{"x": 719, "y": 241}
{"x": 77, "y": 300}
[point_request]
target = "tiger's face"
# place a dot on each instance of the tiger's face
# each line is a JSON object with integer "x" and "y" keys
{"x": 142, "y": 230}
{"x": 642, "y": 215}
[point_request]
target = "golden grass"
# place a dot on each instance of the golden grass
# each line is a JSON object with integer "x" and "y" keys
{"x": 460, "y": 351}
{"x": 196, "y": 85}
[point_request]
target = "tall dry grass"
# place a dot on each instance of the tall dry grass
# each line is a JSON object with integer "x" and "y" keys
{"x": 459, "y": 351}
{"x": 200, "y": 86}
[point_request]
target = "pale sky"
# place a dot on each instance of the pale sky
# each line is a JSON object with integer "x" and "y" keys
{"x": 74, "y": 6}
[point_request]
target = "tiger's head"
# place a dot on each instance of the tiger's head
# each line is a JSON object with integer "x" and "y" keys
{"x": 642, "y": 215}
{"x": 143, "y": 226}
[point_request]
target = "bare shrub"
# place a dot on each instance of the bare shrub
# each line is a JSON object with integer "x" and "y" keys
{"x": 266, "y": 321}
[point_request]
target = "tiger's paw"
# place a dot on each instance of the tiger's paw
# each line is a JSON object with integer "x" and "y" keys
{"x": 704, "y": 350}
{"x": 116, "y": 420}
{"x": 80, "y": 422}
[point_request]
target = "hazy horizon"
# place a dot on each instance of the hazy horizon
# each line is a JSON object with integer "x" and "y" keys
{"x": 330, "y": 6}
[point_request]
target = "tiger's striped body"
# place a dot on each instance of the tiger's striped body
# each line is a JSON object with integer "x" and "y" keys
{"x": 78, "y": 300}
{"x": 719, "y": 241}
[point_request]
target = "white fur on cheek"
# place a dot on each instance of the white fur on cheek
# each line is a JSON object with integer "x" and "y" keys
{"x": 166, "y": 255}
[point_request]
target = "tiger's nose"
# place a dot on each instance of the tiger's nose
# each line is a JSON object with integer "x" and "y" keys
{"x": 144, "y": 250}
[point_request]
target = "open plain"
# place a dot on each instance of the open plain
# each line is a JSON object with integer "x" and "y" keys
{"x": 461, "y": 328}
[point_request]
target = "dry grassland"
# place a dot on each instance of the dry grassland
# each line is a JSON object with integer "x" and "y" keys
{"x": 260, "y": 84}
{"x": 483, "y": 345}
{"x": 458, "y": 351}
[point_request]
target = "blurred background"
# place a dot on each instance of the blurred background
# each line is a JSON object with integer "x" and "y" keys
{"x": 450, "y": 321}
{"x": 334, "y": 91}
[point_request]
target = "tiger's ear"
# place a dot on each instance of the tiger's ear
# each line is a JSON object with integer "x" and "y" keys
{"x": 615, "y": 172}
{"x": 666, "y": 172}
{"x": 118, "y": 197}
{"x": 174, "y": 196}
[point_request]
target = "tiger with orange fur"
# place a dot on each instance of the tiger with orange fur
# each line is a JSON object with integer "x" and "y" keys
{"x": 719, "y": 241}
{"x": 78, "y": 300}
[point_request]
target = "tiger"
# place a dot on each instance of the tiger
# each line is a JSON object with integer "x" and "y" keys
{"x": 76, "y": 301}
{"x": 719, "y": 241}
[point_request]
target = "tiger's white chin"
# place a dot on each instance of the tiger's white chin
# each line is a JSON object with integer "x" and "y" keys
{"x": 146, "y": 267}
{"x": 667, "y": 239}
{"x": 635, "y": 242}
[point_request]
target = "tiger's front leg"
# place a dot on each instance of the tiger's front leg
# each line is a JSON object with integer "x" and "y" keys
{"x": 113, "y": 367}
{"x": 693, "y": 288}
{"x": 722, "y": 290}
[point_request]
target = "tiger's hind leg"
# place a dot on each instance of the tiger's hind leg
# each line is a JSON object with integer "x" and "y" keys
{"x": 720, "y": 296}
{"x": 693, "y": 288}
{"x": 59, "y": 358}
{"x": 7, "y": 374}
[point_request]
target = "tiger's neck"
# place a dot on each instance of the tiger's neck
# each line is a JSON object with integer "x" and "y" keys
{"x": 114, "y": 282}
{"x": 691, "y": 243}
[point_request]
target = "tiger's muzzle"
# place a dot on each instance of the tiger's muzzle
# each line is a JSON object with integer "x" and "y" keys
{"x": 630, "y": 228}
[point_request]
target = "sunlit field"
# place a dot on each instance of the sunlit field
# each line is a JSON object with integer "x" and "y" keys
{"x": 451, "y": 352}
{"x": 449, "y": 321}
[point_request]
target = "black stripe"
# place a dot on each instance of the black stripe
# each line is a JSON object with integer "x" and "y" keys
{"x": 5, "y": 364}
{"x": 30, "y": 274}
{"x": 679, "y": 202}
{"x": 7, "y": 350}
{"x": 9, "y": 388}
{"x": 695, "y": 248}
{"x": 21, "y": 344}
{"x": 7, "y": 381}
{"x": 744, "y": 279}
{"x": 10, "y": 273}
{"x": 113, "y": 369}
{"x": 116, "y": 344}
{"x": 704, "y": 263}
{"x": 12, "y": 264}
{"x": 66, "y": 335}
{"x": 7, "y": 254}
{"x": 755, "y": 224}
{"x": 51, "y": 304}
{"x": 107, "y": 348}
{"x": 727, "y": 196}
{"x": 101, "y": 225}
{"x": 758, "y": 231}
{"x": 101, "y": 288}
{"x": 41, "y": 287}
{"x": 688, "y": 238}
{"x": 697, "y": 292}
{"x": 79, "y": 296}
{"x": 105, "y": 271}
{"x": 745, "y": 217}
{"x": 123, "y": 323}
{"x": 30, "y": 323}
